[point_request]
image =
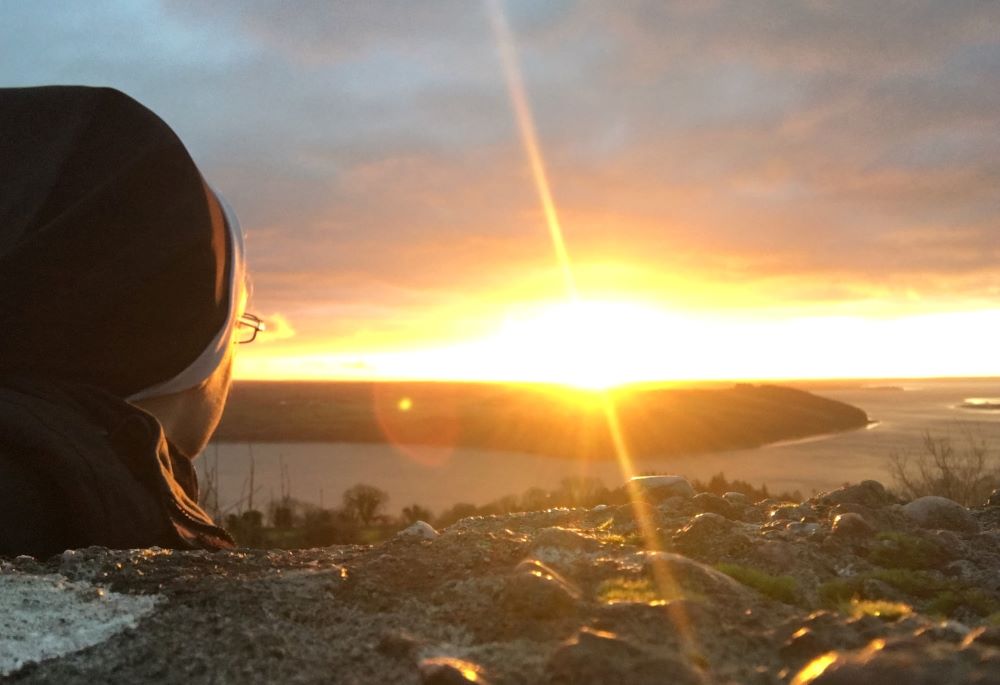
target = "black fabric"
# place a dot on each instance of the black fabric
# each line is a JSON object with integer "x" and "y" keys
{"x": 80, "y": 467}
{"x": 111, "y": 243}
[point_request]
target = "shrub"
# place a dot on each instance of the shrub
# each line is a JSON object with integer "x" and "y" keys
{"x": 966, "y": 474}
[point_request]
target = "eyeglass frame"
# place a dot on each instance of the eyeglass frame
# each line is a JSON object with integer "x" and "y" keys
{"x": 254, "y": 323}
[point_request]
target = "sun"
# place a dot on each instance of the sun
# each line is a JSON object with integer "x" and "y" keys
{"x": 590, "y": 344}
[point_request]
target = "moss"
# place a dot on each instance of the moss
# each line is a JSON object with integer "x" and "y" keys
{"x": 835, "y": 593}
{"x": 639, "y": 590}
{"x": 949, "y": 600}
{"x": 941, "y": 596}
{"x": 782, "y": 588}
{"x": 879, "y": 608}
{"x": 900, "y": 550}
{"x": 917, "y": 583}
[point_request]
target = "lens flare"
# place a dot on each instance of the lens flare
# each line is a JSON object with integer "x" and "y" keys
{"x": 532, "y": 149}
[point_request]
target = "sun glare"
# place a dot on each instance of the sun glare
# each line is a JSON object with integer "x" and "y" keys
{"x": 586, "y": 344}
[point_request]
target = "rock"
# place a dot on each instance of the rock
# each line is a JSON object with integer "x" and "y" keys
{"x": 736, "y": 498}
{"x": 804, "y": 645}
{"x": 869, "y": 493}
{"x": 994, "y": 499}
{"x": 786, "y": 512}
{"x": 397, "y": 644}
{"x": 940, "y": 512}
{"x": 537, "y": 591}
{"x": 596, "y": 657}
{"x": 903, "y": 661}
{"x": 776, "y": 554}
{"x": 658, "y": 488}
{"x": 947, "y": 631}
{"x": 803, "y": 529}
{"x": 984, "y": 635}
{"x": 709, "y": 535}
{"x": 419, "y": 529}
{"x": 692, "y": 575}
{"x": 882, "y": 518}
{"x": 852, "y": 527}
{"x": 562, "y": 538}
{"x": 626, "y": 514}
{"x": 710, "y": 503}
{"x": 448, "y": 671}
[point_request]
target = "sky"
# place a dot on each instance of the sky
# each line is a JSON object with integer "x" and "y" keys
{"x": 744, "y": 189}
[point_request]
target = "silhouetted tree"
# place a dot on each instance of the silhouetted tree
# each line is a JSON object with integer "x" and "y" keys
{"x": 416, "y": 512}
{"x": 364, "y": 503}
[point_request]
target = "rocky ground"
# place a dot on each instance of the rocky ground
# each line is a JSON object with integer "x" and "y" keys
{"x": 848, "y": 587}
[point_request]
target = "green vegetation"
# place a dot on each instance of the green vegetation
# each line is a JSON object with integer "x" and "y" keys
{"x": 941, "y": 596}
{"x": 640, "y": 590}
{"x": 903, "y": 551}
{"x": 782, "y": 588}
{"x": 887, "y": 611}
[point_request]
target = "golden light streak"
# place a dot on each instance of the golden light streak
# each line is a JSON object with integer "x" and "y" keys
{"x": 529, "y": 140}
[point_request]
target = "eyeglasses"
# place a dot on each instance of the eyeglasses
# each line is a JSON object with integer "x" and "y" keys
{"x": 247, "y": 328}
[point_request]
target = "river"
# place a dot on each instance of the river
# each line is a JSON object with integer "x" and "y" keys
{"x": 438, "y": 477}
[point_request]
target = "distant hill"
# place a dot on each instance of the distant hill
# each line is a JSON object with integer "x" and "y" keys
{"x": 539, "y": 419}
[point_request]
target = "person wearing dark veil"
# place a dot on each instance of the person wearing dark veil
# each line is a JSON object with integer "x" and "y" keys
{"x": 122, "y": 289}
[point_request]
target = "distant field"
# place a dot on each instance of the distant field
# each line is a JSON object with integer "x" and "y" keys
{"x": 536, "y": 419}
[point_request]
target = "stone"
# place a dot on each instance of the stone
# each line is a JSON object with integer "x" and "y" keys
{"x": 537, "y": 591}
{"x": 852, "y": 527}
{"x": 994, "y": 499}
{"x": 626, "y": 514}
{"x": 658, "y": 488}
{"x": 398, "y": 644}
{"x": 419, "y": 529}
{"x": 709, "y": 534}
{"x": 802, "y": 529}
{"x": 595, "y": 657}
{"x": 449, "y": 671}
{"x": 736, "y": 498}
{"x": 903, "y": 661}
{"x": 940, "y": 512}
{"x": 869, "y": 493}
{"x": 947, "y": 631}
{"x": 711, "y": 503}
{"x": 689, "y": 574}
{"x": 562, "y": 538}
{"x": 984, "y": 635}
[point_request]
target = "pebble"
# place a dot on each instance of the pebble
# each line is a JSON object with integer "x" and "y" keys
{"x": 538, "y": 591}
{"x": 869, "y": 493}
{"x": 562, "y": 538}
{"x": 940, "y": 512}
{"x": 852, "y": 526}
{"x": 444, "y": 670}
{"x": 626, "y": 513}
{"x": 708, "y": 502}
{"x": 736, "y": 498}
{"x": 709, "y": 534}
{"x": 657, "y": 488}
{"x": 595, "y": 657}
{"x": 994, "y": 499}
{"x": 907, "y": 661}
{"x": 419, "y": 529}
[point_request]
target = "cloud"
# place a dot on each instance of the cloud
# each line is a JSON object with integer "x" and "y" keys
{"x": 700, "y": 152}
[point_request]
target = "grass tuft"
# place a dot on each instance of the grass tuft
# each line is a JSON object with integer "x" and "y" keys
{"x": 782, "y": 588}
